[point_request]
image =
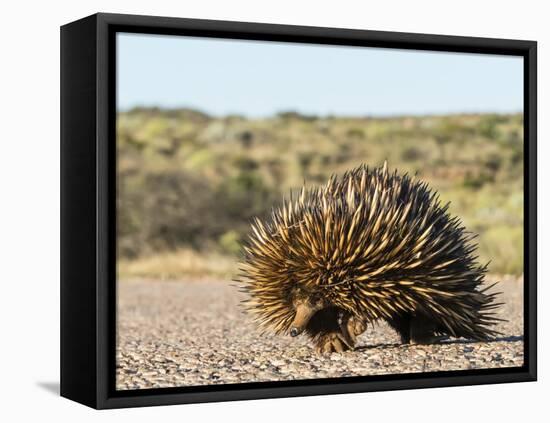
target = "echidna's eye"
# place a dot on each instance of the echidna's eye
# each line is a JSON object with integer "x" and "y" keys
{"x": 316, "y": 300}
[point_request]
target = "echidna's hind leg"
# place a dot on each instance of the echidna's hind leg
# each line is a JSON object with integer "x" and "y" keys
{"x": 423, "y": 331}
{"x": 415, "y": 329}
{"x": 402, "y": 325}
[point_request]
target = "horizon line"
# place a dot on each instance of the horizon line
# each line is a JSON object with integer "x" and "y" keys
{"x": 313, "y": 115}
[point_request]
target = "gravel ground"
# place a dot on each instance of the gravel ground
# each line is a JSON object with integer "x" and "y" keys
{"x": 183, "y": 333}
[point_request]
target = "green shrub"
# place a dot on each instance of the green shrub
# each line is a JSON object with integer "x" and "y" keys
{"x": 230, "y": 242}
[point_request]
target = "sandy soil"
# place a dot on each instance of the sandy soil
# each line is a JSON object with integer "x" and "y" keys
{"x": 183, "y": 333}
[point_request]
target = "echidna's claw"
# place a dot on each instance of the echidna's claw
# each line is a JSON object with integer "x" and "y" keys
{"x": 337, "y": 345}
{"x": 332, "y": 342}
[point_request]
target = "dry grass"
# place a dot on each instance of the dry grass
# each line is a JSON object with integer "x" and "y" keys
{"x": 172, "y": 265}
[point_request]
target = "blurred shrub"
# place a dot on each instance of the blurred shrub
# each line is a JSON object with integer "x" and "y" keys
{"x": 243, "y": 197}
{"x": 502, "y": 247}
{"x": 489, "y": 125}
{"x": 291, "y": 114}
{"x": 356, "y": 133}
{"x": 245, "y": 164}
{"x": 493, "y": 162}
{"x": 476, "y": 181}
{"x": 165, "y": 210}
{"x": 230, "y": 242}
{"x": 411, "y": 154}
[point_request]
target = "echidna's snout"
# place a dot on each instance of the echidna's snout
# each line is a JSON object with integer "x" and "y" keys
{"x": 305, "y": 309}
{"x": 304, "y": 312}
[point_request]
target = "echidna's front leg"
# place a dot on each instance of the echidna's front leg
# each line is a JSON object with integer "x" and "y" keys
{"x": 331, "y": 342}
{"x": 340, "y": 338}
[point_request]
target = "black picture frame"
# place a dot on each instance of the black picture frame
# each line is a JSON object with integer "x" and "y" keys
{"x": 88, "y": 218}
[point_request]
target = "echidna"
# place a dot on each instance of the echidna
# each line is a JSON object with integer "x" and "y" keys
{"x": 369, "y": 245}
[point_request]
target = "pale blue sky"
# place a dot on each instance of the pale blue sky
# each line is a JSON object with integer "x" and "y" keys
{"x": 259, "y": 79}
